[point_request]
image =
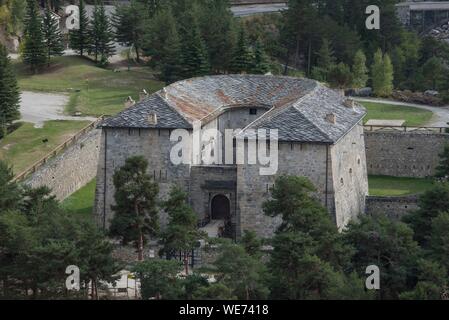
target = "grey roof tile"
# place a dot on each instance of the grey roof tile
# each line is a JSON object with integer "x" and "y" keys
{"x": 137, "y": 116}
{"x": 298, "y": 106}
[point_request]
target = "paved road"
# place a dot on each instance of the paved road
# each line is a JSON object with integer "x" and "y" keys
{"x": 248, "y": 10}
{"x": 440, "y": 114}
{"x": 40, "y": 107}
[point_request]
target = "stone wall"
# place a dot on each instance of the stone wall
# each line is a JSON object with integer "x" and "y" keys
{"x": 208, "y": 181}
{"x": 404, "y": 154}
{"x": 72, "y": 169}
{"x": 350, "y": 178}
{"x": 121, "y": 144}
{"x": 392, "y": 207}
{"x": 309, "y": 160}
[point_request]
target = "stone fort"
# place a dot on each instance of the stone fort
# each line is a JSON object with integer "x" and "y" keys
{"x": 320, "y": 136}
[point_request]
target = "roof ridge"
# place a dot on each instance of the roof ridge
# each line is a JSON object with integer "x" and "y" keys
{"x": 296, "y": 105}
{"x": 166, "y": 102}
{"x": 282, "y": 108}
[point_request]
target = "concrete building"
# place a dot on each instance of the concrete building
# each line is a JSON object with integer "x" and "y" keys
{"x": 320, "y": 136}
{"x": 422, "y": 15}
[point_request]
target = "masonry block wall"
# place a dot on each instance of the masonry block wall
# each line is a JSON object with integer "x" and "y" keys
{"x": 402, "y": 154}
{"x": 349, "y": 176}
{"x": 392, "y": 207}
{"x": 72, "y": 169}
{"x": 309, "y": 160}
{"x": 120, "y": 144}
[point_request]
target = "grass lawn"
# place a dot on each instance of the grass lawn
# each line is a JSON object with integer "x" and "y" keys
{"x": 393, "y": 186}
{"x": 94, "y": 91}
{"x": 412, "y": 116}
{"x": 24, "y": 146}
{"x": 81, "y": 203}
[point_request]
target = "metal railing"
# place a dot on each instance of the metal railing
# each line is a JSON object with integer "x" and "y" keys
{"x": 62, "y": 147}
{"x": 374, "y": 128}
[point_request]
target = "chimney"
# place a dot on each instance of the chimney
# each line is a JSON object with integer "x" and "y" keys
{"x": 331, "y": 118}
{"x": 143, "y": 95}
{"x": 129, "y": 102}
{"x": 152, "y": 118}
{"x": 349, "y": 103}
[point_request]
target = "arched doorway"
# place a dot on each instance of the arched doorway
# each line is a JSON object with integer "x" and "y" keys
{"x": 220, "y": 208}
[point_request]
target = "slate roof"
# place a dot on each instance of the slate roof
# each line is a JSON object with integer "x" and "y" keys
{"x": 137, "y": 116}
{"x": 298, "y": 107}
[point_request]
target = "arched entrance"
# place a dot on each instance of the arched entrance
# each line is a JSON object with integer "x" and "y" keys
{"x": 220, "y": 208}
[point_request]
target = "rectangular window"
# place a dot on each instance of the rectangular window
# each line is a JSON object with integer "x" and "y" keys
{"x": 253, "y": 111}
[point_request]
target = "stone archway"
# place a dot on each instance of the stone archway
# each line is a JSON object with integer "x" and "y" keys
{"x": 220, "y": 208}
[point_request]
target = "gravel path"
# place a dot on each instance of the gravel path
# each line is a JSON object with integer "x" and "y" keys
{"x": 40, "y": 107}
{"x": 440, "y": 114}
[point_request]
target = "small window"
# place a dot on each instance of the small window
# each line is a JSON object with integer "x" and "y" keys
{"x": 253, "y": 111}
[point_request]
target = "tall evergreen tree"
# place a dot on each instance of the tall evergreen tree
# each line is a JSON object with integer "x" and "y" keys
{"x": 79, "y": 39}
{"x": 382, "y": 74}
{"x": 33, "y": 54}
{"x": 389, "y": 245}
{"x": 136, "y": 215}
{"x": 171, "y": 69}
{"x": 260, "y": 60}
{"x": 54, "y": 43}
{"x": 359, "y": 70}
{"x": 432, "y": 72}
{"x": 11, "y": 194}
{"x": 101, "y": 35}
{"x": 431, "y": 204}
{"x": 340, "y": 76}
{"x": 9, "y": 92}
{"x": 241, "y": 61}
{"x": 325, "y": 61}
{"x": 219, "y": 36}
{"x": 130, "y": 24}
{"x": 182, "y": 231}
{"x": 194, "y": 53}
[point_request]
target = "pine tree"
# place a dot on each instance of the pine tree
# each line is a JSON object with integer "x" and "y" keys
{"x": 431, "y": 204}
{"x": 182, "y": 231}
{"x": 101, "y": 35}
{"x": 194, "y": 53}
{"x": 219, "y": 36}
{"x": 340, "y": 76}
{"x": 171, "y": 69}
{"x": 54, "y": 44}
{"x": 136, "y": 215}
{"x": 382, "y": 74}
{"x": 79, "y": 39}
{"x": 359, "y": 70}
{"x": 33, "y": 53}
{"x": 388, "y": 75}
{"x": 130, "y": 23}
{"x": 325, "y": 61}
{"x": 241, "y": 58}
{"x": 9, "y": 92}
{"x": 260, "y": 60}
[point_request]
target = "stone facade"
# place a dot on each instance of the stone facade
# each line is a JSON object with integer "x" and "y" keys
{"x": 404, "y": 154}
{"x": 324, "y": 165}
{"x": 320, "y": 136}
{"x": 72, "y": 169}
{"x": 120, "y": 144}
{"x": 392, "y": 207}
